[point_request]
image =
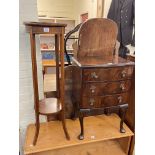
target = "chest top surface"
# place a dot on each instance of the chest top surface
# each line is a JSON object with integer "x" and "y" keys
{"x": 89, "y": 62}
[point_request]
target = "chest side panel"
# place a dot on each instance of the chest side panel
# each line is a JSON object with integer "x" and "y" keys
{"x": 77, "y": 84}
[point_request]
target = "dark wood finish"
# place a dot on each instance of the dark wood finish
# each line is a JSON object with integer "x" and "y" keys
{"x": 44, "y": 27}
{"x": 68, "y": 83}
{"x": 48, "y": 106}
{"x": 101, "y": 88}
{"x": 120, "y": 110}
{"x": 81, "y": 116}
{"x": 98, "y": 73}
{"x": 100, "y": 62}
{"x": 92, "y": 42}
{"x": 62, "y": 82}
{"x": 130, "y": 116}
{"x": 57, "y": 64}
{"x": 130, "y": 119}
{"x": 105, "y": 100}
{"x": 102, "y": 74}
{"x": 132, "y": 145}
{"x": 98, "y": 89}
{"x": 44, "y": 24}
{"x": 35, "y": 85}
{"x": 130, "y": 57}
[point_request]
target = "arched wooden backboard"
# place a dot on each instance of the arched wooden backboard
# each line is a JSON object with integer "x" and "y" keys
{"x": 97, "y": 37}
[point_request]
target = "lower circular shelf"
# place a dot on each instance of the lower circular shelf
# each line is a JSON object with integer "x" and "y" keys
{"x": 49, "y": 106}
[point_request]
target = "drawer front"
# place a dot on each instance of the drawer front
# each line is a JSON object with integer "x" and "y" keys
{"x": 99, "y": 89}
{"x": 108, "y": 74}
{"x": 113, "y": 100}
{"x": 90, "y": 102}
{"x": 104, "y": 101}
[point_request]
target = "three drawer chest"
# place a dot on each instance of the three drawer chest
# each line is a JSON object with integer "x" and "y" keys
{"x": 101, "y": 86}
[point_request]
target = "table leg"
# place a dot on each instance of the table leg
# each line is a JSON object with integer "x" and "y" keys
{"x": 61, "y": 87}
{"x": 37, "y": 127}
{"x": 35, "y": 85}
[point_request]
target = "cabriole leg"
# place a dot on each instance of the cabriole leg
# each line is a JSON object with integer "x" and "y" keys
{"x": 81, "y": 136}
{"x": 122, "y": 113}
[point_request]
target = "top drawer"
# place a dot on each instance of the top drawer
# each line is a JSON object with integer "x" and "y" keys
{"x": 107, "y": 74}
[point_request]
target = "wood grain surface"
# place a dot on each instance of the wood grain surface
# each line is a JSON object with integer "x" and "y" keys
{"x": 97, "y": 37}
{"x": 100, "y": 61}
{"x": 110, "y": 147}
{"x": 43, "y": 24}
{"x": 49, "y": 106}
{"x": 98, "y": 89}
{"x": 103, "y": 128}
{"x": 103, "y": 74}
{"x": 45, "y": 106}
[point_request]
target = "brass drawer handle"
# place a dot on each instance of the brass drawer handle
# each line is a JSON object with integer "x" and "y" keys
{"x": 120, "y": 98}
{"x": 92, "y": 88}
{"x": 122, "y": 86}
{"x": 94, "y": 75}
{"x": 124, "y": 74}
{"x": 91, "y": 102}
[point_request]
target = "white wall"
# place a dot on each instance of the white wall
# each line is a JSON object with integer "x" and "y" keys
{"x": 27, "y": 12}
{"x": 56, "y": 8}
{"x": 106, "y": 7}
{"x": 83, "y": 6}
{"x": 67, "y": 8}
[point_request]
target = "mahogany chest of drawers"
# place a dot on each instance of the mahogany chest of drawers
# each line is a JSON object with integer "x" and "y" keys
{"x": 101, "y": 86}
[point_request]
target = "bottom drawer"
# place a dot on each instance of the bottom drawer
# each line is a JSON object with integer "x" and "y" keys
{"x": 104, "y": 101}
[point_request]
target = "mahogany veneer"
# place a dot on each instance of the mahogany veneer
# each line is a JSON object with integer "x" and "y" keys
{"x": 48, "y": 106}
{"x": 101, "y": 85}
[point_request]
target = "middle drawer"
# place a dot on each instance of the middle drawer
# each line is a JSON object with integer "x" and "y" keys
{"x": 99, "y": 89}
